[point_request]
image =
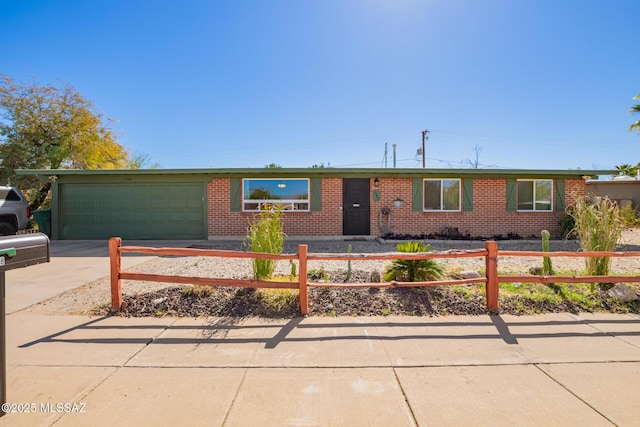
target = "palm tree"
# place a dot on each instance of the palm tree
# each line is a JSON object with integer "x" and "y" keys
{"x": 625, "y": 169}
{"x": 634, "y": 110}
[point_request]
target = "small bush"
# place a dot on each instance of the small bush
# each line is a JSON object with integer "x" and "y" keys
{"x": 278, "y": 299}
{"x": 419, "y": 270}
{"x": 319, "y": 275}
{"x": 568, "y": 225}
{"x": 198, "y": 291}
{"x": 629, "y": 216}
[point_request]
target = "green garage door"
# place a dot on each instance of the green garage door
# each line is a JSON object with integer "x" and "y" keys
{"x": 132, "y": 211}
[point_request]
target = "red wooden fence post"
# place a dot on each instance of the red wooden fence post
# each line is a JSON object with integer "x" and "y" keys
{"x": 492, "y": 275}
{"x": 116, "y": 283}
{"x": 302, "y": 280}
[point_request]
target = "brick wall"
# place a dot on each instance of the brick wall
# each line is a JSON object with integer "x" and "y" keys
{"x": 489, "y": 216}
{"x": 328, "y": 222}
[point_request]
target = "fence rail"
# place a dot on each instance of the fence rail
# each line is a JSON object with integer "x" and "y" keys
{"x": 490, "y": 253}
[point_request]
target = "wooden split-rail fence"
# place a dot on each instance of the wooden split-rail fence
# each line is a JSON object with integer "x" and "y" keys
{"x": 491, "y": 280}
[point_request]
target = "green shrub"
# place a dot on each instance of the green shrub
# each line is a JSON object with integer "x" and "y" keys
{"x": 265, "y": 235}
{"x": 568, "y": 225}
{"x": 419, "y": 270}
{"x": 278, "y": 299}
{"x": 198, "y": 291}
{"x": 629, "y": 216}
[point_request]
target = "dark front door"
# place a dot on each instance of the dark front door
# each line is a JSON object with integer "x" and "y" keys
{"x": 355, "y": 206}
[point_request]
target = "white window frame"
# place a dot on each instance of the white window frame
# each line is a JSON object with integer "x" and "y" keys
{"x": 286, "y": 205}
{"x": 442, "y": 209}
{"x": 533, "y": 201}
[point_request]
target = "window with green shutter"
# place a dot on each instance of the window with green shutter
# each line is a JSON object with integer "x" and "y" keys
{"x": 441, "y": 195}
{"x": 535, "y": 195}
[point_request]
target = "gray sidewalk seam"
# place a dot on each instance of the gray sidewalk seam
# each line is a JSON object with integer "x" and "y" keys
{"x": 537, "y": 365}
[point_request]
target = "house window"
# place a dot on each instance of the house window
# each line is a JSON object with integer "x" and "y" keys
{"x": 262, "y": 194}
{"x": 441, "y": 195}
{"x": 535, "y": 195}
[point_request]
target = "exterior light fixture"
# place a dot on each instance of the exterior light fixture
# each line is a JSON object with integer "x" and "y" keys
{"x": 376, "y": 182}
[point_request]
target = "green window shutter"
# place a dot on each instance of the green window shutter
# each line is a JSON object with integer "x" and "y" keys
{"x": 561, "y": 204}
{"x": 467, "y": 195}
{"x": 511, "y": 195}
{"x": 316, "y": 194}
{"x": 236, "y": 194}
{"x": 416, "y": 195}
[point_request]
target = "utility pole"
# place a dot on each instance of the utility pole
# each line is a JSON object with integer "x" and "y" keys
{"x": 386, "y": 154}
{"x": 424, "y": 154}
{"x": 394, "y": 154}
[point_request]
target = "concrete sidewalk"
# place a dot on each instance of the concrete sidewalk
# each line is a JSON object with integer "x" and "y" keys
{"x": 558, "y": 369}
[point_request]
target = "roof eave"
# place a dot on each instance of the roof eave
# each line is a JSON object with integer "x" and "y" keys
{"x": 330, "y": 172}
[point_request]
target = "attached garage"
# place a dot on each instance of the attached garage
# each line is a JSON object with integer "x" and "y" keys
{"x": 139, "y": 204}
{"x": 132, "y": 211}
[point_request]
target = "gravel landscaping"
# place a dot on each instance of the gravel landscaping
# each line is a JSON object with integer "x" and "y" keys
{"x": 161, "y": 299}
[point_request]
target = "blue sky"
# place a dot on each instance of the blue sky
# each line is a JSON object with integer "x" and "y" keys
{"x": 536, "y": 84}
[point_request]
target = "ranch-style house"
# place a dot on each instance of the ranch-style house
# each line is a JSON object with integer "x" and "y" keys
{"x": 220, "y": 203}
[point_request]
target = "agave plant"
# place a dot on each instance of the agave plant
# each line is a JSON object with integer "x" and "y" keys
{"x": 419, "y": 270}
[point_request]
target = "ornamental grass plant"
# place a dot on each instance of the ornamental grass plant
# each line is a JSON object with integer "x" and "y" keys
{"x": 265, "y": 235}
{"x": 598, "y": 226}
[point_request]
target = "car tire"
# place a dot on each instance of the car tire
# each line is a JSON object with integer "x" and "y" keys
{"x": 7, "y": 229}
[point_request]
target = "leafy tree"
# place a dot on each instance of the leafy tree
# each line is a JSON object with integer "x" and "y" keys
{"x": 261, "y": 194}
{"x": 49, "y": 127}
{"x": 273, "y": 166}
{"x": 635, "y": 109}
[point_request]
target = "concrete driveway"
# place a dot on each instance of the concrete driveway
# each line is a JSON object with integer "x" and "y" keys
{"x": 73, "y": 264}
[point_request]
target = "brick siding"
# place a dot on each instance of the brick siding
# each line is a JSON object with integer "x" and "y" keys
{"x": 328, "y": 222}
{"x": 488, "y": 218}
